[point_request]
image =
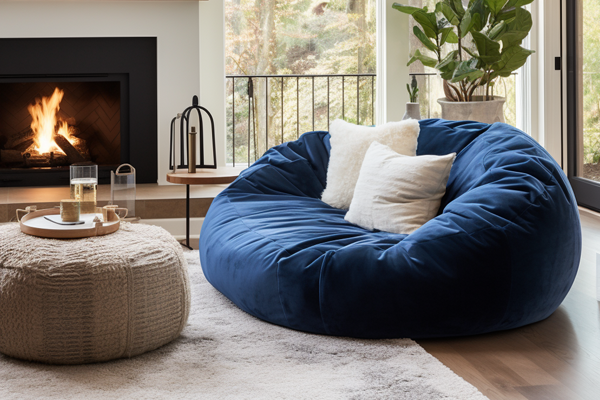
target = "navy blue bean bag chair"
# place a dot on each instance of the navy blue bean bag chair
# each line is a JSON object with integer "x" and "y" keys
{"x": 502, "y": 252}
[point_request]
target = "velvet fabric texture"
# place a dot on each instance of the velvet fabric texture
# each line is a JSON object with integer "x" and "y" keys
{"x": 502, "y": 252}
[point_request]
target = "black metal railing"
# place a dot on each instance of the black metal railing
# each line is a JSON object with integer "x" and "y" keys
{"x": 278, "y": 108}
{"x": 267, "y": 110}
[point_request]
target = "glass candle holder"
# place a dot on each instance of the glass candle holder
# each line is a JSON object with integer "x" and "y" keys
{"x": 84, "y": 184}
{"x": 69, "y": 210}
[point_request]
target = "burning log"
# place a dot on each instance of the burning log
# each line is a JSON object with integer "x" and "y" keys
{"x": 82, "y": 147}
{"x": 45, "y": 160}
{"x": 23, "y": 145}
{"x": 58, "y": 160}
{"x": 11, "y": 157}
{"x": 72, "y": 154}
{"x": 19, "y": 138}
{"x": 37, "y": 161}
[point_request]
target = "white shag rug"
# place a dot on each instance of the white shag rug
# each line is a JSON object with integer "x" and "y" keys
{"x": 224, "y": 353}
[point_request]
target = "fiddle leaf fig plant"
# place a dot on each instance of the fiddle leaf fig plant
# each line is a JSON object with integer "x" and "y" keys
{"x": 472, "y": 44}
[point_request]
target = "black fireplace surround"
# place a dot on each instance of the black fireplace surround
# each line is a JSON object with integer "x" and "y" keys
{"x": 130, "y": 61}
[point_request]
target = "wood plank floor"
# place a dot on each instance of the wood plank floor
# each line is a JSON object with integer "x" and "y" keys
{"x": 558, "y": 358}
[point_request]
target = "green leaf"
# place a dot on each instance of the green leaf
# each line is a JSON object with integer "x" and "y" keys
{"x": 492, "y": 76}
{"x": 452, "y": 38}
{"x": 480, "y": 13}
{"x": 517, "y": 29}
{"x": 511, "y": 59}
{"x": 424, "y": 39}
{"x": 489, "y": 51}
{"x": 495, "y": 6}
{"x": 447, "y": 75}
{"x": 446, "y": 35}
{"x": 447, "y": 61}
{"x": 467, "y": 70}
{"x": 477, "y": 25}
{"x": 448, "y": 65}
{"x": 456, "y": 6}
{"x": 518, "y": 3}
{"x": 506, "y": 14}
{"x": 497, "y": 30}
{"x": 405, "y": 9}
{"x": 466, "y": 24}
{"x": 425, "y": 60}
{"x": 448, "y": 12}
{"x": 429, "y": 23}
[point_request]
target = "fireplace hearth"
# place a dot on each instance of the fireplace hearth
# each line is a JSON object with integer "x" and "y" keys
{"x": 95, "y": 102}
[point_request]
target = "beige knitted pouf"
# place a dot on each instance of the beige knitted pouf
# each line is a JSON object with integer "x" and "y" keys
{"x": 89, "y": 300}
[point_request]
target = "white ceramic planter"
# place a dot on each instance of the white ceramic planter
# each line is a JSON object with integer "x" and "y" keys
{"x": 478, "y": 110}
{"x": 413, "y": 110}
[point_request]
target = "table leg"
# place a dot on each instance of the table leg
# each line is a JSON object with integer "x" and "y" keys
{"x": 187, "y": 218}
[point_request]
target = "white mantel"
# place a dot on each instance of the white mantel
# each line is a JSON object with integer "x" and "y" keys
{"x": 190, "y": 44}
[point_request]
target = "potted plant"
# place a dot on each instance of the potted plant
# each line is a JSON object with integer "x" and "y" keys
{"x": 472, "y": 47}
{"x": 413, "y": 107}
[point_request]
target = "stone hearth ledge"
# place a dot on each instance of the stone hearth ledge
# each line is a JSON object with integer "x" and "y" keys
{"x": 153, "y": 201}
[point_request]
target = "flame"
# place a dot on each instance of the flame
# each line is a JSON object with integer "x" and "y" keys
{"x": 44, "y": 123}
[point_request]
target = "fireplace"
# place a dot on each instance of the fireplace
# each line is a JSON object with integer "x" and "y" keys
{"x": 69, "y": 100}
{"x": 69, "y": 122}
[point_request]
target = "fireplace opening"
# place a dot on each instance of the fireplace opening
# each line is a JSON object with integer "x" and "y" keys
{"x": 100, "y": 102}
{"x": 51, "y": 125}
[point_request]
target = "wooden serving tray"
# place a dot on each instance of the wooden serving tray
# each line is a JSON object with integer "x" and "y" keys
{"x": 34, "y": 223}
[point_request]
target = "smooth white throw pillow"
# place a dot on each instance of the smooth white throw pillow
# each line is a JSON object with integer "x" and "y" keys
{"x": 350, "y": 142}
{"x": 396, "y": 193}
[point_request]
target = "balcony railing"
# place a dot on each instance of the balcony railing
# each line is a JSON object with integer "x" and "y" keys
{"x": 266, "y": 110}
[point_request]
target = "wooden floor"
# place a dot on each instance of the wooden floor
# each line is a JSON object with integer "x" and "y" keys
{"x": 558, "y": 358}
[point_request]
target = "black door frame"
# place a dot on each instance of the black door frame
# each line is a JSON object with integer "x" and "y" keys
{"x": 586, "y": 191}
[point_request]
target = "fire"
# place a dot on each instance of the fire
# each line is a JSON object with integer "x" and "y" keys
{"x": 45, "y": 123}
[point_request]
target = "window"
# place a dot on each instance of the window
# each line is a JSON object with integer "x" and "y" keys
{"x": 292, "y": 66}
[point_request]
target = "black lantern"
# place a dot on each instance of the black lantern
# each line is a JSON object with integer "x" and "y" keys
{"x": 184, "y": 143}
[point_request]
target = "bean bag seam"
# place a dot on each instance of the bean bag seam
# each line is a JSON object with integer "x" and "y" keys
{"x": 513, "y": 221}
{"x": 266, "y": 238}
{"x": 464, "y": 149}
{"x": 321, "y": 295}
{"x": 247, "y": 173}
{"x": 498, "y": 227}
{"x": 510, "y": 270}
{"x": 545, "y": 182}
{"x": 271, "y": 167}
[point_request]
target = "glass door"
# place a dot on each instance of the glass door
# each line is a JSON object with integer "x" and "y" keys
{"x": 583, "y": 100}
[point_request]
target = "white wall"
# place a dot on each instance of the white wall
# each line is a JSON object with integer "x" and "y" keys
{"x": 175, "y": 24}
{"x": 546, "y": 121}
{"x": 212, "y": 68}
{"x": 392, "y": 56}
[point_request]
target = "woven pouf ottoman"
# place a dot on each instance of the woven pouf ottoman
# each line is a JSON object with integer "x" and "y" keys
{"x": 89, "y": 300}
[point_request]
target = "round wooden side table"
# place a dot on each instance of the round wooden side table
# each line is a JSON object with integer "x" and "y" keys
{"x": 205, "y": 176}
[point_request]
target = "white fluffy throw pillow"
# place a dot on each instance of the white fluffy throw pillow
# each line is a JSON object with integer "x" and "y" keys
{"x": 350, "y": 142}
{"x": 396, "y": 193}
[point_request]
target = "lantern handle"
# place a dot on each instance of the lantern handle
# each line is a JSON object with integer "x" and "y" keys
{"x": 125, "y": 165}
